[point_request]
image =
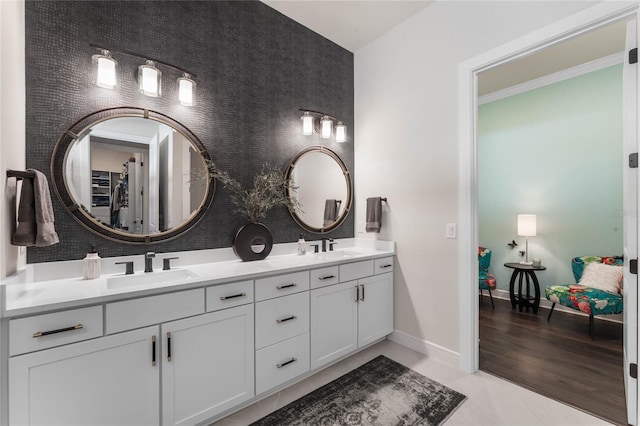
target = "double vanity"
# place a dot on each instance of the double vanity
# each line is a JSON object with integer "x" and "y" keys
{"x": 189, "y": 345}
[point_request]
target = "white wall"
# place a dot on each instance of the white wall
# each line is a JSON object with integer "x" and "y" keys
{"x": 406, "y": 144}
{"x": 12, "y": 122}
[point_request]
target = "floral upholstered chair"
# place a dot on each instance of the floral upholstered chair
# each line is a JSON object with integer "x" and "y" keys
{"x": 486, "y": 281}
{"x": 598, "y": 290}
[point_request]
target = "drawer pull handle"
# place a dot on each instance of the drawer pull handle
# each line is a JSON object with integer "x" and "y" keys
{"x": 233, "y": 296}
{"x": 169, "y": 346}
{"x": 59, "y": 330}
{"x": 153, "y": 351}
{"x": 292, "y": 317}
{"x": 388, "y": 265}
{"x": 328, "y": 277}
{"x": 286, "y": 363}
{"x": 282, "y": 287}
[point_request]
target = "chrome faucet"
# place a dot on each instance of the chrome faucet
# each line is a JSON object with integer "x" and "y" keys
{"x": 148, "y": 261}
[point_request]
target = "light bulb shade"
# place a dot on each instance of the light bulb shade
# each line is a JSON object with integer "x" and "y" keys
{"x": 326, "y": 127}
{"x": 150, "y": 80}
{"x": 105, "y": 70}
{"x": 527, "y": 225}
{"x": 341, "y": 132}
{"x": 186, "y": 90}
{"x": 307, "y": 123}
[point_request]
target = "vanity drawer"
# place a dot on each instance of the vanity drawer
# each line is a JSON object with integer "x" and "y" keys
{"x": 281, "y": 285}
{"x": 383, "y": 265}
{"x": 49, "y": 330}
{"x": 151, "y": 310}
{"x": 353, "y": 271}
{"x": 324, "y": 276}
{"x": 282, "y": 362}
{"x": 281, "y": 318}
{"x": 229, "y": 295}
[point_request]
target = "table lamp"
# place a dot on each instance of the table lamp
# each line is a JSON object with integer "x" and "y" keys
{"x": 526, "y": 229}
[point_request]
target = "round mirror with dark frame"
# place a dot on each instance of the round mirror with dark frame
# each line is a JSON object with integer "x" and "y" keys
{"x": 132, "y": 175}
{"x": 323, "y": 189}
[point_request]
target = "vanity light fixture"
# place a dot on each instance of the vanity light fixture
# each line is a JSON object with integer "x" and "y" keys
{"x": 186, "y": 90}
{"x": 149, "y": 75}
{"x": 307, "y": 123}
{"x": 326, "y": 127}
{"x": 341, "y": 132}
{"x": 150, "y": 79}
{"x": 105, "y": 69}
{"x": 323, "y": 126}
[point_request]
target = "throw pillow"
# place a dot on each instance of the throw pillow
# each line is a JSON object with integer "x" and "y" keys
{"x": 603, "y": 277}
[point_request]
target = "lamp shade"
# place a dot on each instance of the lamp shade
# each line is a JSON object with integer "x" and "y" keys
{"x": 326, "y": 127}
{"x": 307, "y": 123}
{"x": 527, "y": 225}
{"x": 186, "y": 90}
{"x": 150, "y": 80}
{"x": 341, "y": 132}
{"x": 105, "y": 69}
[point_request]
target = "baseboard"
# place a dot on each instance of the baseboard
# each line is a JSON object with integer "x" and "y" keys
{"x": 546, "y": 304}
{"x": 431, "y": 350}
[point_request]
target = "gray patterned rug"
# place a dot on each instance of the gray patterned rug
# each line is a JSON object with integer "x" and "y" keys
{"x": 379, "y": 393}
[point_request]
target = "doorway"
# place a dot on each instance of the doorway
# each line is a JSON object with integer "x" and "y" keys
{"x": 584, "y": 22}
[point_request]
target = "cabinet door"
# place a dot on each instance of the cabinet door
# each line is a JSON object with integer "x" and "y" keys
{"x": 207, "y": 365}
{"x": 334, "y": 326}
{"x": 106, "y": 381}
{"x": 375, "y": 310}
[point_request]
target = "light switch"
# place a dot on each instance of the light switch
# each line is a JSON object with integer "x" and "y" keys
{"x": 451, "y": 230}
{"x": 361, "y": 227}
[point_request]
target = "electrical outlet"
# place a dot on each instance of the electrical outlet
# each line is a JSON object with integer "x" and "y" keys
{"x": 361, "y": 227}
{"x": 451, "y": 230}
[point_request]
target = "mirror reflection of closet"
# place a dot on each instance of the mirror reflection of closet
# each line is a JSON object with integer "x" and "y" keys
{"x": 132, "y": 177}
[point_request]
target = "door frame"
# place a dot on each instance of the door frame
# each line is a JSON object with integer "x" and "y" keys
{"x": 577, "y": 24}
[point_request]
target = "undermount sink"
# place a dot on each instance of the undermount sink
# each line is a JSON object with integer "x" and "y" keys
{"x": 160, "y": 277}
{"x": 338, "y": 254}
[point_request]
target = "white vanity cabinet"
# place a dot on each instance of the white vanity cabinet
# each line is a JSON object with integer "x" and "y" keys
{"x": 352, "y": 314}
{"x": 110, "y": 380}
{"x": 207, "y": 365}
{"x": 192, "y": 355}
{"x": 282, "y": 329}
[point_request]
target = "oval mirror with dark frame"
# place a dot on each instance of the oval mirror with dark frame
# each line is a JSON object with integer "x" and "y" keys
{"x": 324, "y": 191}
{"x": 132, "y": 175}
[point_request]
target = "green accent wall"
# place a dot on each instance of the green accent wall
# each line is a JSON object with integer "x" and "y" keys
{"x": 555, "y": 152}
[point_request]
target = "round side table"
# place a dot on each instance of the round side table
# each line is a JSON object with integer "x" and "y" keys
{"x": 528, "y": 272}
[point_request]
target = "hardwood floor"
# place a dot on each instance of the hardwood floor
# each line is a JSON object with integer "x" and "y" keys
{"x": 558, "y": 358}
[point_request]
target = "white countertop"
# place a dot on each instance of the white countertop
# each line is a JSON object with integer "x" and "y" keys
{"x": 59, "y": 285}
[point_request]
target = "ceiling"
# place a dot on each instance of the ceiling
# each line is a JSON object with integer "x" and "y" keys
{"x": 588, "y": 47}
{"x": 350, "y": 24}
{"x": 353, "y": 24}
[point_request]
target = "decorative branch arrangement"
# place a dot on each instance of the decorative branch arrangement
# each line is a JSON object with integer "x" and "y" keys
{"x": 270, "y": 189}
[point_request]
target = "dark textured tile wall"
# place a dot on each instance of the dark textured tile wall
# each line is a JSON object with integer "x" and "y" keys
{"x": 255, "y": 68}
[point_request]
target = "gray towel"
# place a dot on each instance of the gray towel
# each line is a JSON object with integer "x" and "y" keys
{"x": 374, "y": 214}
{"x": 35, "y": 214}
{"x": 25, "y": 234}
{"x": 330, "y": 212}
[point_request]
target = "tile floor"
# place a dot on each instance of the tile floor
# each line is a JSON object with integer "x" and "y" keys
{"x": 490, "y": 401}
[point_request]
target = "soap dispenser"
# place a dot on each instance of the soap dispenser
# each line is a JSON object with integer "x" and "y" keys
{"x": 92, "y": 264}
{"x": 302, "y": 245}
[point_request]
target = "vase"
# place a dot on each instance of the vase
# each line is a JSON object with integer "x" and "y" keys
{"x": 253, "y": 242}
